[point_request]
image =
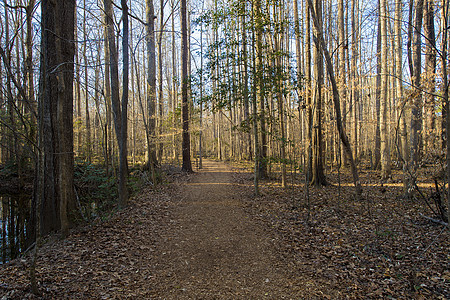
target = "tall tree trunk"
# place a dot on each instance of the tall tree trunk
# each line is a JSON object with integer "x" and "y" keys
{"x": 416, "y": 116}
{"x": 151, "y": 88}
{"x": 123, "y": 142}
{"x": 308, "y": 97}
{"x": 429, "y": 129}
{"x": 377, "y": 154}
{"x": 255, "y": 92}
{"x": 354, "y": 74}
{"x": 174, "y": 86}
{"x": 258, "y": 22}
{"x": 342, "y": 46}
{"x": 107, "y": 87}
{"x": 399, "y": 89}
{"x": 56, "y": 113}
{"x": 200, "y": 138}
{"x": 278, "y": 39}
{"x": 245, "y": 78}
{"x": 115, "y": 102}
{"x": 88, "y": 148}
{"x": 186, "y": 144}
{"x": 299, "y": 69}
{"x": 318, "y": 175}
{"x": 445, "y": 11}
{"x": 384, "y": 149}
{"x": 160, "y": 81}
{"x": 29, "y": 68}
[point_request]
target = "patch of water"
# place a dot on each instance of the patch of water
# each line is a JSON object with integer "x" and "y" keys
{"x": 15, "y": 224}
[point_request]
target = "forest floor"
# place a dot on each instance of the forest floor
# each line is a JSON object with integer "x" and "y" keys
{"x": 205, "y": 236}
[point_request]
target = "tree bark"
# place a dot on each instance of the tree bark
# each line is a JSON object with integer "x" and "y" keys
{"x": 123, "y": 142}
{"x": 115, "y": 103}
{"x": 416, "y": 116}
{"x": 56, "y": 113}
{"x": 384, "y": 99}
{"x": 318, "y": 175}
{"x": 186, "y": 144}
{"x": 429, "y": 136}
{"x": 160, "y": 81}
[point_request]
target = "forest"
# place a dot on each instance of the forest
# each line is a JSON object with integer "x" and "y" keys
{"x": 309, "y": 137}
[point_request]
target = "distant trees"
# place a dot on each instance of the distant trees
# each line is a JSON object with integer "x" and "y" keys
{"x": 252, "y": 94}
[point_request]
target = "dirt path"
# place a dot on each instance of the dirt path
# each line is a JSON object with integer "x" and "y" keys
{"x": 190, "y": 240}
{"x": 215, "y": 250}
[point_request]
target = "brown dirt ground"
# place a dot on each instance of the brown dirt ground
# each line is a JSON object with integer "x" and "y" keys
{"x": 206, "y": 237}
{"x": 189, "y": 240}
{"x": 215, "y": 249}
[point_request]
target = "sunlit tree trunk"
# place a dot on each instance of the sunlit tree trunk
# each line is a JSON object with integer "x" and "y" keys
{"x": 151, "y": 87}
{"x": 399, "y": 77}
{"x": 355, "y": 86}
{"x": 249, "y": 153}
{"x": 416, "y": 104}
{"x": 342, "y": 46}
{"x": 384, "y": 99}
{"x": 307, "y": 88}
{"x": 377, "y": 152}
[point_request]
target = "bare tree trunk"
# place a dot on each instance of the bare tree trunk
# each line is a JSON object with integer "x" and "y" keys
{"x": 107, "y": 87}
{"x": 384, "y": 150}
{"x": 29, "y": 67}
{"x": 123, "y": 142}
{"x": 377, "y": 154}
{"x": 255, "y": 91}
{"x": 318, "y": 176}
{"x": 355, "y": 85}
{"x": 245, "y": 85}
{"x": 160, "y": 81}
{"x": 342, "y": 46}
{"x": 445, "y": 11}
{"x": 299, "y": 69}
{"x": 56, "y": 103}
{"x": 186, "y": 144}
{"x": 308, "y": 86}
{"x": 200, "y": 138}
{"x": 416, "y": 116}
{"x": 174, "y": 86}
{"x": 260, "y": 98}
{"x": 429, "y": 136}
{"x": 279, "y": 67}
{"x": 78, "y": 119}
{"x": 399, "y": 89}
{"x": 151, "y": 88}
{"x": 88, "y": 145}
{"x": 115, "y": 103}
